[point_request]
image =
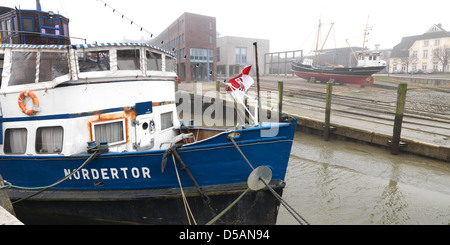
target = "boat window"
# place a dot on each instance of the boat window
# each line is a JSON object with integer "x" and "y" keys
{"x": 93, "y": 61}
{"x": 53, "y": 65}
{"x": 112, "y": 132}
{"x": 128, "y": 59}
{"x": 23, "y": 68}
{"x": 49, "y": 140}
{"x": 170, "y": 64}
{"x": 49, "y": 26}
{"x": 166, "y": 120}
{"x": 27, "y": 24}
{"x": 15, "y": 141}
{"x": 154, "y": 61}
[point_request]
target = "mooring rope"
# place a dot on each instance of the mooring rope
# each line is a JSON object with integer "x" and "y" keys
{"x": 227, "y": 208}
{"x": 285, "y": 204}
{"x": 239, "y": 149}
{"x": 282, "y": 201}
{"x": 185, "y": 202}
{"x": 97, "y": 151}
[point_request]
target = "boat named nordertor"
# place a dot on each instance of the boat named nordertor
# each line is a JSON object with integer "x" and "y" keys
{"x": 88, "y": 129}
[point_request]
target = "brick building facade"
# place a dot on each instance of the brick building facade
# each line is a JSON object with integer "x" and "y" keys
{"x": 192, "y": 37}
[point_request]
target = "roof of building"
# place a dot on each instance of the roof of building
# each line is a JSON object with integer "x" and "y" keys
{"x": 401, "y": 50}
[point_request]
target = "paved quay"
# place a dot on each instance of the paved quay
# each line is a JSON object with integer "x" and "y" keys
{"x": 433, "y": 142}
{"x": 8, "y": 219}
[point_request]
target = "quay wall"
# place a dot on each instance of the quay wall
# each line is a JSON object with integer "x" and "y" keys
{"x": 343, "y": 132}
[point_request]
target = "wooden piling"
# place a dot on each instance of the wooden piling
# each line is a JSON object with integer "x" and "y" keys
{"x": 401, "y": 98}
{"x": 194, "y": 84}
{"x": 257, "y": 81}
{"x": 280, "y": 98}
{"x": 326, "y": 130}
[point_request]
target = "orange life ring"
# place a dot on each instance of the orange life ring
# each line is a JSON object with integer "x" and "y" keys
{"x": 33, "y": 96}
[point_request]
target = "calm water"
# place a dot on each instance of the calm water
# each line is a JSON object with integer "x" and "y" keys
{"x": 344, "y": 183}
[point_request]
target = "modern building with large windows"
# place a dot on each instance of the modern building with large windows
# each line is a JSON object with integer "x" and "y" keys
{"x": 192, "y": 37}
{"x": 235, "y": 53}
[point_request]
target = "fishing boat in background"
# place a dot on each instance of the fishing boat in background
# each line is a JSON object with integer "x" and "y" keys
{"x": 368, "y": 63}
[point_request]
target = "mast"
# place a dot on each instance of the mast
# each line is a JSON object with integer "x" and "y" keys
{"x": 332, "y": 24}
{"x": 38, "y": 5}
{"x": 316, "y": 55}
{"x": 317, "y": 42}
{"x": 365, "y": 34}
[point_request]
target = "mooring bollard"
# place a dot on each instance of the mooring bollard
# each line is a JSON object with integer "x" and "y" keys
{"x": 401, "y": 98}
{"x": 326, "y": 130}
{"x": 280, "y": 99}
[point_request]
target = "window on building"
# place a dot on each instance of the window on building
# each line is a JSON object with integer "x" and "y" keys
{"x": 210, "y": 25}
{"x": 49, "y": 140}
{"x": 154, "y": 61}
{"x": 129, "y": 59}
{"x": 424, "y": 67}
{"x": 23, "y": 68}
{"x": 93, "y": 61}
{"x": 112, "y": 132}
{"x": 415, "y": 54}
{"x": 218, "y": 54}
{"x": 15, "y": 141}
{"x": 166, "y": 120}
{"x": 436, "y": 52}
{"x": 436, "y": 42}
{"x": 435, "y": 66}
{"x": 53, "y": 65}
{"x": 425, "y": 43}
{"x": 241, "y": 56}
{"x": 425, "y": 54}
{"x": 201, "y": 55}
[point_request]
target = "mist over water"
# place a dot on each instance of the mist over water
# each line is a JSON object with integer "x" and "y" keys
{"x": 346, "y": 183}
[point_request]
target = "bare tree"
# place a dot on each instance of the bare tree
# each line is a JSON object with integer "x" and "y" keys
{"x": 412, "y": 58}
{"x": 442, "y": 54}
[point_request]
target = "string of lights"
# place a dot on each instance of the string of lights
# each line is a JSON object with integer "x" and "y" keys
{"x": 125, "y": 17}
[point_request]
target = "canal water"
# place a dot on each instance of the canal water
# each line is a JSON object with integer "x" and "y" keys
{"x": 347, "y": 183}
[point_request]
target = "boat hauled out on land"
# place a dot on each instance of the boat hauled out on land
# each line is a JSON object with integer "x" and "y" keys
{"x": 368, "y": 64}
{"x": 90, "y": 135}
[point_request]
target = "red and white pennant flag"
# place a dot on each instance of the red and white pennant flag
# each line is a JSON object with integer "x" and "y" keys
{"x": 240, "y": 84}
